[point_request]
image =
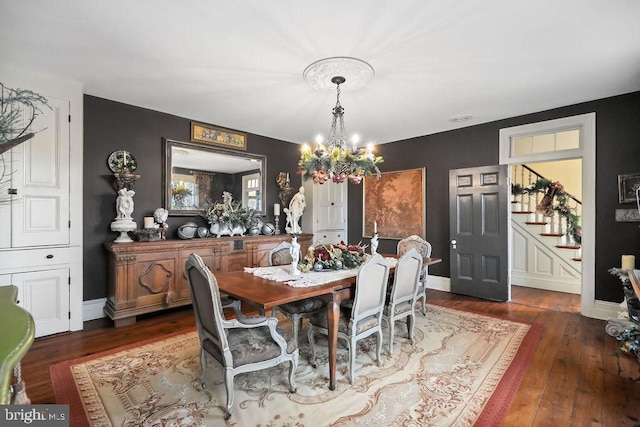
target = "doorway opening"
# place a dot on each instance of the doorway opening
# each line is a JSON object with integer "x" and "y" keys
{"x": 549, "y": 142}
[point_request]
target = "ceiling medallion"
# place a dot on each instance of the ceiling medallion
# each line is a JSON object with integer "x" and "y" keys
{"x": 356, "y": 73}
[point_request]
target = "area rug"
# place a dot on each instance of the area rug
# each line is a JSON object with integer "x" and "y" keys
{"x": 463, "y": 370}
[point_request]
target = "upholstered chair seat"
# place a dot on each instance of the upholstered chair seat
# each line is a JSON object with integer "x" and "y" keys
{"x": 251, "y": 345}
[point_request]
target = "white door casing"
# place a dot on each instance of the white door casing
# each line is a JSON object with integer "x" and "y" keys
{"x": 586, "y": 124}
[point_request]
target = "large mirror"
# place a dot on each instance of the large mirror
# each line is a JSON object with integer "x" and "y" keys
{"x": 196, "y": 175}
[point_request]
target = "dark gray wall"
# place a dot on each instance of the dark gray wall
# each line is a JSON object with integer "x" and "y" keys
{"x": 111, "y": 126}
{"x": 617, "y": 152}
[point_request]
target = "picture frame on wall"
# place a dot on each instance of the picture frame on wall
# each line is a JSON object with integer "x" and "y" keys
{"x": 627, "y": 186}
{"x": 395, "y": 204}
{"x": 222, "y": 137}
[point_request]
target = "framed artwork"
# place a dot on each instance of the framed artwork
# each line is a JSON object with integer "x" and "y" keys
{"x": 227, "y": 138}
{"x": 395, "y": 204}
{"x": 627, "y": 186}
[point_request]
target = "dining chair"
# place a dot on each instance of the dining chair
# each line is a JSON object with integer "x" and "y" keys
{"x": 298, "y": 310}
{"x": 402, "y": 297}
{"x": 239, "y": 345}
{"x": 424, "y": 248}
{"x": 363, "y": 317}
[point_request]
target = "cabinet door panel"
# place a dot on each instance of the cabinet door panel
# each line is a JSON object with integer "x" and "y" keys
{"x": 155, "y": 277}
{"x": 40, "y": 212}
{"x": 182, "y": 285}
{"x": 45, "y": 294}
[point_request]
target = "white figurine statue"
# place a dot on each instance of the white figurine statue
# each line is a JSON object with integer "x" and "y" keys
{"x": 374, "y": 244}
{"x": 295, "y": 255}
{"x": 124, "y": 203}
{"x": 294, "y": 212}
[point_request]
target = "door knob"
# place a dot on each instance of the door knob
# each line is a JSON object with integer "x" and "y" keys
{"x": 454, "y": 244}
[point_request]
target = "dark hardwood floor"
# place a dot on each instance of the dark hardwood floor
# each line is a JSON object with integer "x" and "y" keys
{"x": 575, "y": 378}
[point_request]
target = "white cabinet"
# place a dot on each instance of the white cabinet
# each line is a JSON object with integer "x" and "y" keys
{"x": 41, "y": 225}
{"x": 326, "y": 212}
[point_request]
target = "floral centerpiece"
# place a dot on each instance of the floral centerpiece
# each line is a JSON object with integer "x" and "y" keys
{"x": 228, "y": 217}
{"x": 332, "y": 257}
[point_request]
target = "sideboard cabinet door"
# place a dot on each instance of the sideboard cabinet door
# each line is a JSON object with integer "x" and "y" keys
{"x": 147, "y": 277}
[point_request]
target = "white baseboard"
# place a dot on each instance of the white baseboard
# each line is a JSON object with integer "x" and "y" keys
{"x": 568, "y": 286}
{"x": 438, "y": 283}
{"x": 603, "y": 310}
{"x": 93, "y": 309}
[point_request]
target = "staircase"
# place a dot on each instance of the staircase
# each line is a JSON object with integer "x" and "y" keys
{"x": 544, "y": 255}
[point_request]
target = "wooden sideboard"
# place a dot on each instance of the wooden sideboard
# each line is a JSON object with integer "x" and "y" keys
{"x": 145, "y": 277}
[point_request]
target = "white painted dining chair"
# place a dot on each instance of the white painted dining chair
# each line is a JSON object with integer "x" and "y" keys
{"x": 424, "y": 248}
{"x": 364, "y": 317}
{"x": 240, "y": 345}
{"x": 401, "y": 302}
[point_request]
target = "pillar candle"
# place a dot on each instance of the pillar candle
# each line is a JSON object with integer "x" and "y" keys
{"x": 276, "y": 209}
{"x": 628, "y": 262}
{"x": 149, "y": 222}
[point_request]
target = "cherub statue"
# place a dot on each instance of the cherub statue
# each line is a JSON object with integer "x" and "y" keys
{"x": 124, "y": 203}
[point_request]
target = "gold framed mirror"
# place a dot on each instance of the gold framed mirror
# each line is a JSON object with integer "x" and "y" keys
{"x": 195, "y": 176}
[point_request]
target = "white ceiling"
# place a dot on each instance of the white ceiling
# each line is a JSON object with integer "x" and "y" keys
{"x": 239, "y": 64}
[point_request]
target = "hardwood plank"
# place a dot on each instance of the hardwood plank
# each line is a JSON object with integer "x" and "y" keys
{"x": 573, "y": 378}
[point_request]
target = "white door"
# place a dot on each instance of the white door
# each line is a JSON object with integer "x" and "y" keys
{"x": 40, "y": 179}
{"x": 45, "y": 294}
{"x": 331, "y": 202}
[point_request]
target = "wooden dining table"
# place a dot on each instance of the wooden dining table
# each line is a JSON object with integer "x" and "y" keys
{"x": 267, "y": 294}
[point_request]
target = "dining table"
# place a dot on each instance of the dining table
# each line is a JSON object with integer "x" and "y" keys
{"x": 266, "y": 293}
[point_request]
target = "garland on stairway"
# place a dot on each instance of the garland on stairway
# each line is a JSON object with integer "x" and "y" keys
{"x": 555, "y": 199}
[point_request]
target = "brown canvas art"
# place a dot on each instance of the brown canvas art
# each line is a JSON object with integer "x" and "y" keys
{"x": 396, "y": 202}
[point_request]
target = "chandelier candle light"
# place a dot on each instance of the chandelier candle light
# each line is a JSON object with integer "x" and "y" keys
{"x": 338, "y": 161}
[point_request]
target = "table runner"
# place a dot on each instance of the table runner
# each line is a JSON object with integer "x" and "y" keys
{"x": 282, "y": 274}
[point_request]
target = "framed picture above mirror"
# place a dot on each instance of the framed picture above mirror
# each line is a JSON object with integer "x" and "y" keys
{"x": 195, "y": 176}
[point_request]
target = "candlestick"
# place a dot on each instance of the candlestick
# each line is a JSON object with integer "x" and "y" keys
{"x": 628, "y": 262}
{"x": 277, "y": 225}
{"x": 276, "y": 209}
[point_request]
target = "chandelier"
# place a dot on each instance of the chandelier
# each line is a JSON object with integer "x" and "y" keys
{"x": 337, "y": 160}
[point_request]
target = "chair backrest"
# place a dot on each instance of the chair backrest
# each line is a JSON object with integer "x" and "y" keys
{"x": 207, "y": 308}
{"x": 371, "y": 288}
{"x": 281, "y": 254}
{"x": 422, "y": 246}
{"x": 406, "y": 278}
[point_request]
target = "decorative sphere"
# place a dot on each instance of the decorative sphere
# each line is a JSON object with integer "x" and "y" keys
{"x": 317, "y": 266}
{"x": 338, "y": 264}
{"x": 268, "y": 229}
{"x": 187, "y": 230}
{"x": 203, "y": 232}
{"x": 253, "y": 231}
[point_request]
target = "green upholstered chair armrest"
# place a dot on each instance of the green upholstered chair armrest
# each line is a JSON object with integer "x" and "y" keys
{"x": 17, "y": 331}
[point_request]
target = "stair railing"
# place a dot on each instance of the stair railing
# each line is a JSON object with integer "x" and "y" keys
{"x": 526, "y": 198}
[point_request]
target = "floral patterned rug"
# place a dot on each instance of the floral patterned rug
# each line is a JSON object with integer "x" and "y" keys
{"x": 463, "y": 370}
